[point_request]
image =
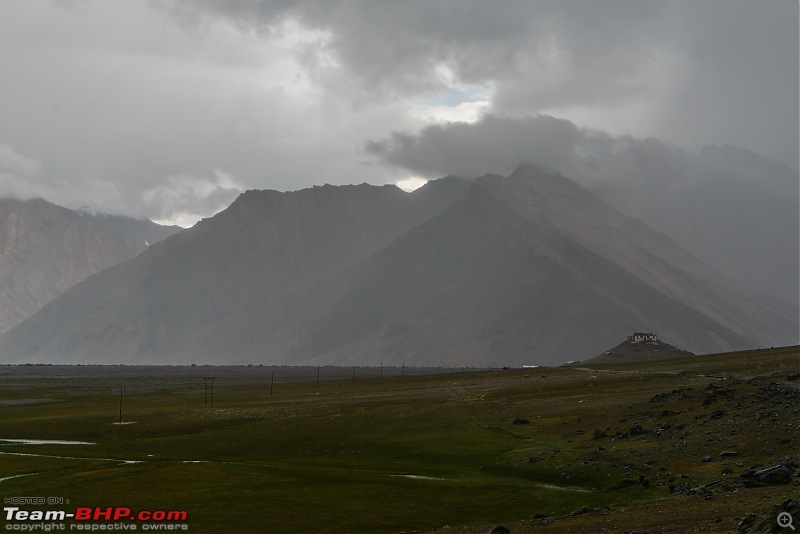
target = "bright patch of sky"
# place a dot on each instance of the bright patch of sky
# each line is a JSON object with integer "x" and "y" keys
{"x": 457, "y": 102}
{"x": 411, "y": 183}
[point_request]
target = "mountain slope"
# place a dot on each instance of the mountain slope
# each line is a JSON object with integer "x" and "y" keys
{"x": 735, "y": 210}
{"x": 45, "y": 249}
{"x": 532, "y": 269}
{"x": 143, "y": 232}
{"x": 526, "y": 269}
{"x": 204, "y": 294}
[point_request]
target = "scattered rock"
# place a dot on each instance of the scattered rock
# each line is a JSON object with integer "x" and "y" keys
{"x": 717, "y": 414}
{"x": 599, "y": 434}
{"x": 793, "y": 376}
{"x": 770, "y": 523}
{"x": 746, "y": 524}
{"x": 533, "y": 459}
{"x": 637, "y": 430}
{"x": 728, "y": 454}
{"x": 520, "y": 421}
{"x": 583, "y": 510}
{"x": 715, "y": 486}
{"x": 499, "y": 529}
{"x": 771, "y": 476}
{"x": 706, "y": 459}
{"x": 715, "y": 392}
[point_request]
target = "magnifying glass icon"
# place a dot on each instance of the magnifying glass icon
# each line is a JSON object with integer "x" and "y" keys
{"x": 785, "y": 520}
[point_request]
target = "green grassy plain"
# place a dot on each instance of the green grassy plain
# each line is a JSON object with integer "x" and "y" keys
{"x": 405, "y": 454}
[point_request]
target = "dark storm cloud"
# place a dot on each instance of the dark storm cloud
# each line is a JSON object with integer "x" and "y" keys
{"x": 497, "y": 144}
{"x": 167, "y": 108}
{"x": 396, "y": 47}
{"x": 493, "y": 144}
{"x": 693, "y": 72}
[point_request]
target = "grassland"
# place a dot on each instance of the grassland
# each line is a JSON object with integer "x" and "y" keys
{"x": 438, "y": 452}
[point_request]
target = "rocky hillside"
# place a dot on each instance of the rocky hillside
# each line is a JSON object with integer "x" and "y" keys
{"x": 529, "y": 268}
{"x": 220, "y": 290}
{"x": 532, "y": 269}
{"x": 44, "y": 250}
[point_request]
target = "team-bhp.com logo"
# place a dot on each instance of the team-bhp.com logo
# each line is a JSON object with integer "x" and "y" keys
{"x": 94, "y": 519}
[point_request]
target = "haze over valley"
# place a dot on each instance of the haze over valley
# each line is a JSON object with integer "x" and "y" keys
{"x": 529, "y": 268}
{"x": 591, "y": 170}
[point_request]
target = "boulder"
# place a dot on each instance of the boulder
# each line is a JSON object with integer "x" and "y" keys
{"x": 771, "y": 476}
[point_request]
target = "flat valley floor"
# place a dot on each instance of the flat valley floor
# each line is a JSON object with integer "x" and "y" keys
{"x": 659, "y": 446}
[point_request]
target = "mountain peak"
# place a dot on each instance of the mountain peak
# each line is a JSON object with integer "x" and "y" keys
{"x": 528, "y": 268}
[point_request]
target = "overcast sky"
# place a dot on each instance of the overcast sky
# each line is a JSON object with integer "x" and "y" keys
{"x": 168, "y": 109}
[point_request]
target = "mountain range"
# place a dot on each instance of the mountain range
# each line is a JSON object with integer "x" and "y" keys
{"x": 529, "y": 268}
{"x": 46, "y": 249}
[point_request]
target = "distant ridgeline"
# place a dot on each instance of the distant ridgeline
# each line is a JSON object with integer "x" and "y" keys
{"x": 640, "y": 346}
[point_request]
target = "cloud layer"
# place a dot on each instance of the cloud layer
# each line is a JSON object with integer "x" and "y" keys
{"x": 169, "y": 109}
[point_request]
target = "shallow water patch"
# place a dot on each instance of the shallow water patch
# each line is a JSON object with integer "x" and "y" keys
{"x": 45, "y": 442}
{"x": 22, "y": 402}
{"x": 419, "y": 477}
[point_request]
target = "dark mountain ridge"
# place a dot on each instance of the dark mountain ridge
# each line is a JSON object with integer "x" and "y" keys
{"x": 531, "y": 269}
{"x": 204, "y": 294}
{"x": 526, "y": 269}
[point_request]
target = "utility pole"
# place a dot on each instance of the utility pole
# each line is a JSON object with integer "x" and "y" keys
{"x": 318, "y": 377}
{"x": 212, "y": 391}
